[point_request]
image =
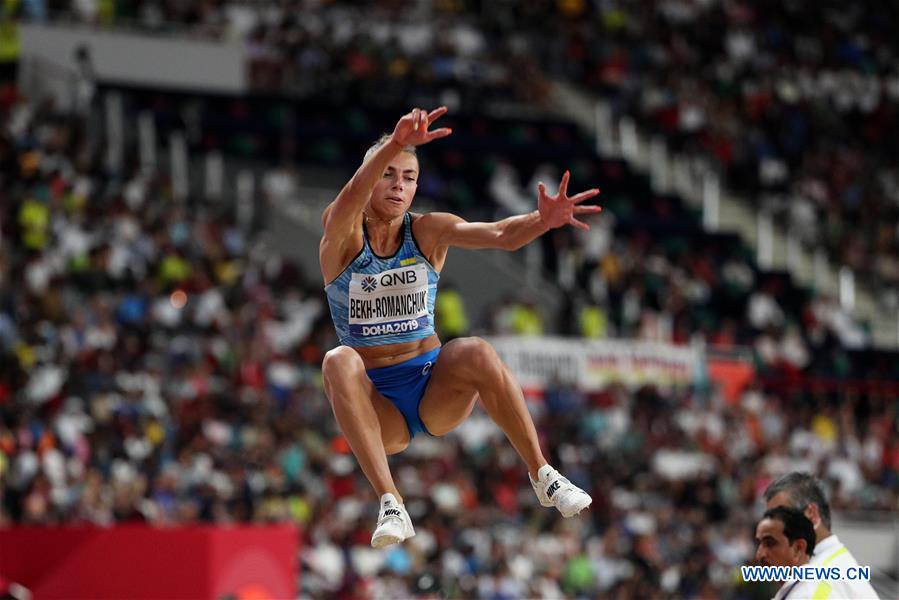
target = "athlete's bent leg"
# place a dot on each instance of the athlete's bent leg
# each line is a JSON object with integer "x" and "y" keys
{"x": 373, "y": 427}
{"x": 468, "y": 368}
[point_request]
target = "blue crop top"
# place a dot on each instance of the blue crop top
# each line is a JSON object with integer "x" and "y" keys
{"x": 380, "y": 300}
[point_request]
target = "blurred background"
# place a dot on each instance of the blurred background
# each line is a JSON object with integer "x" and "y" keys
{"x": 731, "y": 316}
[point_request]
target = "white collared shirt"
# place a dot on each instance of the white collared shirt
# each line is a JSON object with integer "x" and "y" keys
{"x": 829, "y": 552}
{"x": 787, "y": 590}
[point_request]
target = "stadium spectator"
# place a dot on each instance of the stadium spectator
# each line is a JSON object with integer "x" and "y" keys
{"x": 450, "y": 314}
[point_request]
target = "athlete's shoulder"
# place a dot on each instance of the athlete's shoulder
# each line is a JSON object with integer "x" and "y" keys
{"x": 434, "y": 220}
{"x": 430, "y": 229}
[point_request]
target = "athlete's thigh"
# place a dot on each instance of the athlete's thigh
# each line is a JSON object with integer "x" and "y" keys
{"x": 349, "y": 379}
{"x": 450, "y": 395}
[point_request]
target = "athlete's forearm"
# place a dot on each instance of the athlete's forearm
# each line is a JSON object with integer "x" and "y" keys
{"x": 520, "y": 230}
{"x": 354, "y": 195}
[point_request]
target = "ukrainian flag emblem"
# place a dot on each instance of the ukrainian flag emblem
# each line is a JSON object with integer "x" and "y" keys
{"x": 408, "y": 261}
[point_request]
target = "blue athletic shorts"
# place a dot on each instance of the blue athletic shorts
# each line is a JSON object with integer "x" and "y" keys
{"x": 404, "y": 385}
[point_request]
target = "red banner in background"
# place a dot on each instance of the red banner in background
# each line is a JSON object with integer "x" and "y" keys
{"x": 731, "y": 375}
{"x": 137, "y": 561}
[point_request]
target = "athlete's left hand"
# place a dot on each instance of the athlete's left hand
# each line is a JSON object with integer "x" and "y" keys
{"x": 559, "y": 210}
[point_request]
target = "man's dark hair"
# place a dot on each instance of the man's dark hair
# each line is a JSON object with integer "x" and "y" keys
{"x": 796, "y": 525}
{"x": 803, "y": 490}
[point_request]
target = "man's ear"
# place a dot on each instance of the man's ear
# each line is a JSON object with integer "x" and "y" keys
{"x": 811, "y": 511}
{"x": 800, "y": 547}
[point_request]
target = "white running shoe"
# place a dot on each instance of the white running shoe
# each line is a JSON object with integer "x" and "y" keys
{"x": 394, "y": 524}
{"x": 554, "y": 490}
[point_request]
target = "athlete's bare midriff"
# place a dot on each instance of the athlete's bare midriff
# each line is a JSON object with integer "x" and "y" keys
{"x": 375, "y": 357}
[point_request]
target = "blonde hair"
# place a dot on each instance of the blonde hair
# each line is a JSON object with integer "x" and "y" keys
{"x": 383, "y": 140}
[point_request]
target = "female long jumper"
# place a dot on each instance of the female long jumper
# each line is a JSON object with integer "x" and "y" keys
{"x": 390, "y": 378}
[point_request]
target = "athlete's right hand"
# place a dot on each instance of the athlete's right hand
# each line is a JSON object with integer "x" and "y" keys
{"x": 412, "y": 128}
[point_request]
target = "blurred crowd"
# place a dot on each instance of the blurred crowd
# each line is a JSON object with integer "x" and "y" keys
{"x": 647, "y": 271}
{"x": 161, "y": 363}
{"x": 127, "y": 321}
{"x": 304, "y": 46}
{"x": 795, "y": 106}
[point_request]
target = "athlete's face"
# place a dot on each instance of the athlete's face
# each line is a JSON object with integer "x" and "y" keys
{"x": 394, "y": 191}
{"x": 774, "y": 548}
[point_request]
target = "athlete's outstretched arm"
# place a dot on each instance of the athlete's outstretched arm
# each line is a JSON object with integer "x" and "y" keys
{"x": 514, "y": 232}
{"x": 341, "y": 216}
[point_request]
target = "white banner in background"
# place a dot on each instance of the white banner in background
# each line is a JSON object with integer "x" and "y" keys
{"x": 139, "y": 58}
{"x": 594, "y": 364}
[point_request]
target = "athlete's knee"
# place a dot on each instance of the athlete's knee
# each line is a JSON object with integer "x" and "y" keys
{"x": 397, "y": 446}
{"x": 340, "y": 359}
{"x": 479, "y": 357}
{"x": 480, "y": 350}
{"x": 338, "y": 366}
